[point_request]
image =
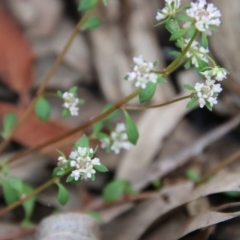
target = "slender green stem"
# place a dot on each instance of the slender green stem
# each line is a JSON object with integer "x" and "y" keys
{"x": 140, "y": 107}
{"x": 207, "y": 56}
{"x": 32, "y": 194}
{"x": 178, "y": 61}
{"x": 47, "y": 78}
{"x": 172, "y": 66}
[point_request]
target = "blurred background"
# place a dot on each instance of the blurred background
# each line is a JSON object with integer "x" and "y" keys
{"x": 173, "y": 140}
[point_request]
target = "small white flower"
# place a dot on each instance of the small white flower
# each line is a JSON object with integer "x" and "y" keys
{"x": 142, "y": 73}
{"x": 196, "y": 52}
{"x": 212, "y": 101}
{"x": 75, "y": 174}
{"x": 71, "y": 103}
{"x": 105, "y": 142}
{"x": 208, "y": 92}
{"x": 96, "y": 161}
{"x": 216, "y": 72}
{"x": 82, "y": 162}
{"x": 169, "y": 10}
{"x": 118, "y": 139}
{"x": 204, "y": 15}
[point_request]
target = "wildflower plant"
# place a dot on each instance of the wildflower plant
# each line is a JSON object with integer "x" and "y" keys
{"x": 189, "y": 27}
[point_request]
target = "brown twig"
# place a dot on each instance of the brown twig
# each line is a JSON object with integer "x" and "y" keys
{"x": 164, "y": 166}
{"x": 156, "y": 105}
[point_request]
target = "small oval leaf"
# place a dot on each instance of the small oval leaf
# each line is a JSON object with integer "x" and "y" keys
{"x": 63, "y": 194}
{"x": 92, "y": 23}
{"x": 131, "y": 129}
{"x": 114, "y": 190}
{"x": 193, "y": 102}
{"x": 86, "y": 5}
{"x": 100, "y": 168}
{"x": 42, "y": 109}
{"x": 147, "y": 93}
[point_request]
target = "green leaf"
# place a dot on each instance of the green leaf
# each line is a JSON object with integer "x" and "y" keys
{"x": 10, "y": 194}
{"x": 209, "y": 107}
{"x": 155, "y": 63}
{"x": 178, "y": 34}
{"x": 92, "y": 23}
{"x": 189, "y": 87}
{"x": 25, "y": 223}
{"x": 9, "y": 120}
{"x": 193, "y": 175}
{"x": 104, "y": 2}
{"x": 65, "y": 113}
{"x": 86, "y": 5}
{"x": 147, "y": 93}
{"x": 95, "y": 215}
{"x": 204, "y": 40}
{"x": 191, "y": 32}
{"x": 172, "y": 26}
{"x": 82, "y": 142}
{"x": 97, "y": 127}
{"x": 202, "y": 64}
{"x": 60, "y": 173}
{"x": 42, "y": 109}
{"x": 93, "y": 177}
{"x": 16, "y": 184}
{"x": 184, "y": 8}
{"x": 187, "y": 65}
{"x": 114, "y": 190}
{"x": 193, "y": 102}
{"x": 232, "y": 194}
{"x": 59, "y": 94}
{"x": 113, "y": 114}
{"x": 160, "y": 79}
{"x": 131, "y": 129}
{"x": 183, "y": 18}
{"x": 100, "y": 168}
{"x": 70, "y": 179}
{"x": 63, "y": 194}
{"x": 29, "y": 204}
{"x": 175, "y": 53}
{"x": 73, "y": 90}
{"x": 55, "y": 171}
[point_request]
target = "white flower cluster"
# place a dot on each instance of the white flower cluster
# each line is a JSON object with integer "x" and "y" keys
{"x": 205, "y": 16}
{"x": 71, "y": 103}
{"x": 216, "y": 72}
{"x": 208, "y": 92}
{"x": 81, "y": 160}
{"x": 142, "y": 73}
{"x": 169, "y": 10}
{"x": 195, "y": 52}
{"x": 118, "y": 139}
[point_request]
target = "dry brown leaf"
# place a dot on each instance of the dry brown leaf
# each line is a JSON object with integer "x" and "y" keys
{"x": 34, "y": 131}
{"x": 163, "y": 166}
{"x": 16, "y": 57}
{"x": 127, "y": 225}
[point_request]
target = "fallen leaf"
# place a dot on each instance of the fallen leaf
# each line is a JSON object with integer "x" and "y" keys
{"x": 16, "y": 57}
{"x": 126, "y": 226}
{"x": 34, "y": 131}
